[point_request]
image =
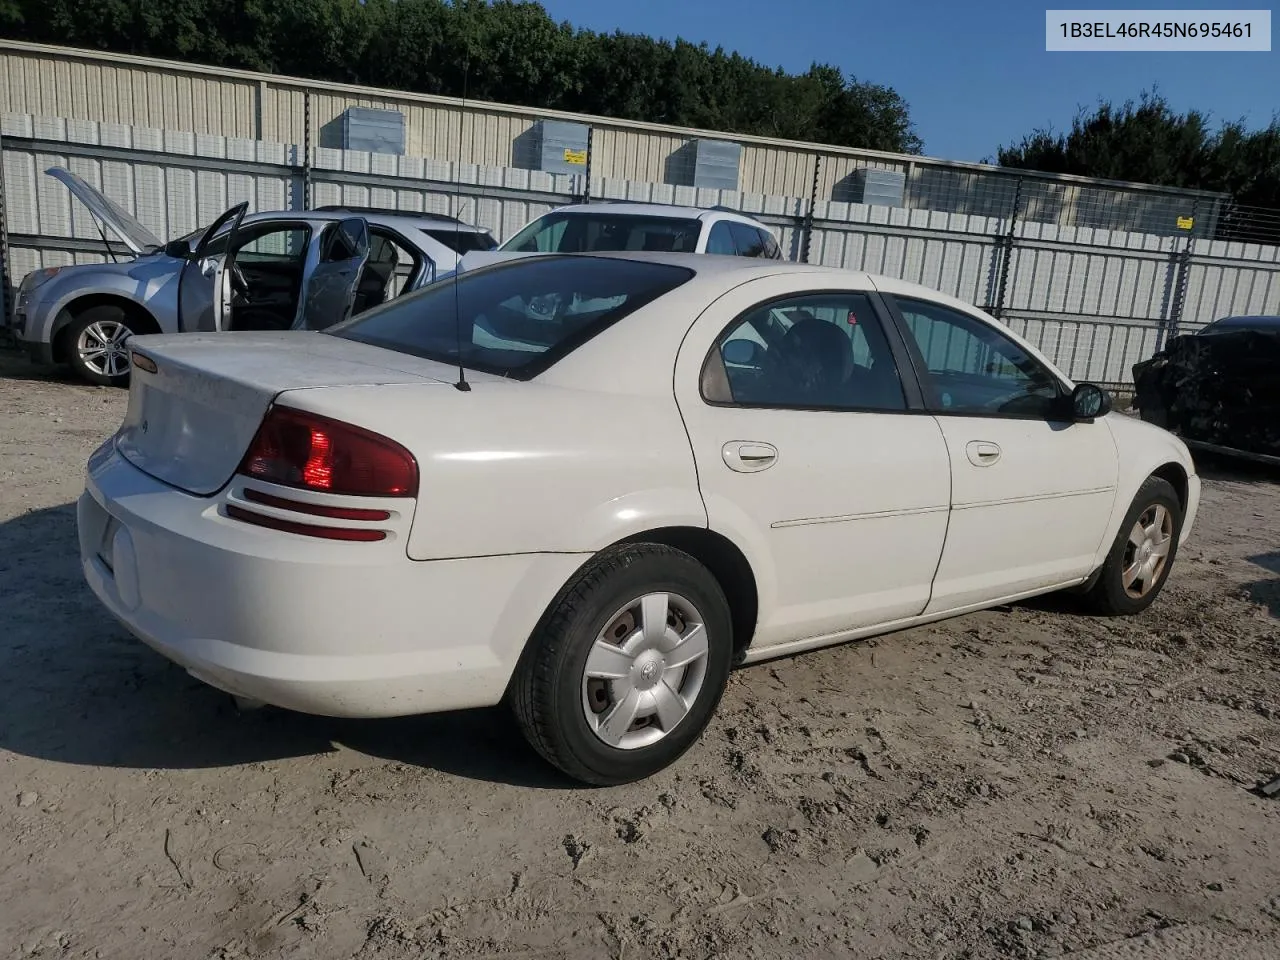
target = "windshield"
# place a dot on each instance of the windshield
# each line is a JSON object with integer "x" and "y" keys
{"x": 568, "y": 232}
{"x": 462, "y": 241}
{"x": 515, "y": 318}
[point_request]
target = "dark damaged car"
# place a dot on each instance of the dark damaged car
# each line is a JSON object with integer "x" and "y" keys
{"x": 1219, "y": 388}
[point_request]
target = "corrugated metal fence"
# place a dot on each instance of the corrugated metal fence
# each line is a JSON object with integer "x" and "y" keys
{"x": 1095, "y": 300}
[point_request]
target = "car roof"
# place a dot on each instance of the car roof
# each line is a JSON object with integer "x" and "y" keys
{"x": 742, "y": 269}
{"x": 399, "y": 220}
{"x": 1260, "y": 320}
{"x": 638, "y": 208}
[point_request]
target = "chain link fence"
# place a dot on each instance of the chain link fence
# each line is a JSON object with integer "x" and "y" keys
{"x": 1098, "y": 274}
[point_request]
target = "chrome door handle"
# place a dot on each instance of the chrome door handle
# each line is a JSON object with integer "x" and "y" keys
{"x": 749, "y": 456}
{"x": 982, "y": 453}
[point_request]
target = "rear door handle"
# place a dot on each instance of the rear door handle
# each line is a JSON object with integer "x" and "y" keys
{"x": 982, "y": 453}
{"x": 749, "y": 456}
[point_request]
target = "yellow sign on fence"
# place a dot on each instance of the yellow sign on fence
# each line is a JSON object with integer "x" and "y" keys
{"x": 575, "y": 156}
{"x": 1186, "y": 223}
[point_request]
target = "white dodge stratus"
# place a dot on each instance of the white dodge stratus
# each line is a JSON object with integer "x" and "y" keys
{"x": 655, "y": 467}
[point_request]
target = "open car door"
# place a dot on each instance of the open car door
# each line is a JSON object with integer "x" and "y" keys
{"x": 204, "y": 285}
{"x": 330, "y": 291}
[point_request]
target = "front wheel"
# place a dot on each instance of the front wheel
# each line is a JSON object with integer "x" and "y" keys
{"x": 627, "y": 667}
{"x": 1138, "y": 565}
{"x": 97, "y": 346}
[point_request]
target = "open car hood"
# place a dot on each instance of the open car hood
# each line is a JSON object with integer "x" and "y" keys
{"x": 134, "y": 235}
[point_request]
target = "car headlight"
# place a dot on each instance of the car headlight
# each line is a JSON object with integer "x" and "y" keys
{"x": 44, "y": 275}
{"x": 39, "y": 277}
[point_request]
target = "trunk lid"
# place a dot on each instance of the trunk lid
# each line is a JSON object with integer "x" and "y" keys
{"x": 190, "y": 421}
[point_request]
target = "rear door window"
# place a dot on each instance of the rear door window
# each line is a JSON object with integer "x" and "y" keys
{"x": 720, "y": 240}
{"x": 747, "y": 239}
{"x": 771, "y": 248}
{"x": 823, "y": 351}
{"x": 567, "y": 232}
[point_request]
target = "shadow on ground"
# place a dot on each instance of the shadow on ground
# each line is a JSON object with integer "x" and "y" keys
{"x": 76, "y": 688}
{"x": 1266, "y": 592}
{"x": 1213, "y": 466}
{"x": 14, "y": 365}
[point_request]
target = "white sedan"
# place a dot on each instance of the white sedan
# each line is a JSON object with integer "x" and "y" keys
{"x": 588, "y": 485}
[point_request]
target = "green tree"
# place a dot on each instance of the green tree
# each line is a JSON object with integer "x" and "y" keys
{"x": 508, "y": 51}
{"x": 1149, "y": 142}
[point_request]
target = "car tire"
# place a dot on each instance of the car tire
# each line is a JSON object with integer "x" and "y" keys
{"x": 96, "y": 346}
{"x": 1156, "y": 507}
{"x": 603, "y": 622}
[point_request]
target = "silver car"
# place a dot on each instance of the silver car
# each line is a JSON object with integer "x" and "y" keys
{"x": 632, "y": 225}
{"x": 285, "y": 270}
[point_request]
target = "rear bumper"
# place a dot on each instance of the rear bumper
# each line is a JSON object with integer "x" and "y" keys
{"x": 335, "y": 629}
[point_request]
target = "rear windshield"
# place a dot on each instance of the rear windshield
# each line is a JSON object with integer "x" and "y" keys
{"x": 462, "y": 241}
{"x": 515, "y": 318}
{"x": 567, "y": 232}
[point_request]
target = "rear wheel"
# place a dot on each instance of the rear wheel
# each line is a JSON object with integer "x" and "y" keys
{"x": 97, "y": 346}
{"x": 627, "y": 667}
{"x": 1138, "y": 565}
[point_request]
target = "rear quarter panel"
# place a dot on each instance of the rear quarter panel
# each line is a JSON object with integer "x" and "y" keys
{"x": 528, "y": 468}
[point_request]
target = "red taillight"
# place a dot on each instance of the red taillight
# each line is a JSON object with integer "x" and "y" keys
{"x": 298, "y": 449}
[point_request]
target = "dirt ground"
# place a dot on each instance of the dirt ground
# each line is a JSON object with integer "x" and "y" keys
{"x": 1026, "y": 782}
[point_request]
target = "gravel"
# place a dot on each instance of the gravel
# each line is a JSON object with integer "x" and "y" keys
{"x": 942, "y": 793}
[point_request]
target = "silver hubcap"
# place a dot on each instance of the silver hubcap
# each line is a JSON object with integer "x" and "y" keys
{"x": 1147, "y": 551}
{"x": 101, "y": 347}
{"x": 645, "y": 671}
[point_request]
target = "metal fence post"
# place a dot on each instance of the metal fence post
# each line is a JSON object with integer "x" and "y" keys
{"x": 306, "y": 150}
{"x": 807, "y": 225}
{"x": 1180, "y": 282}
{"x": 586, "y": 174}
{"x": 5, "y": 317}
{"x": 1005, "y": 247}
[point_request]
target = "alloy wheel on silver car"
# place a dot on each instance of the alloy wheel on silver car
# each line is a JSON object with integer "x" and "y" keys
{"x": 102, "y": 347}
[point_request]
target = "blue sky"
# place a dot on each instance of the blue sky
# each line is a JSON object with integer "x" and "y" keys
{"x": 975, "y": 74}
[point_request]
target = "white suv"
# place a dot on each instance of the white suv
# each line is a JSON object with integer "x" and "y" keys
{"x": 626, "y": 225}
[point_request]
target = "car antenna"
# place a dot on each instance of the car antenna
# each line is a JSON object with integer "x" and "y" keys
{"x": 457, "y": 232}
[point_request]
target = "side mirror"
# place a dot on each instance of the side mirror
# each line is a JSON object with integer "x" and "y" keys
{"x": 1088, "y": 402}
{"x": 178, "y": 249}
{"x": 741, "y": 353}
